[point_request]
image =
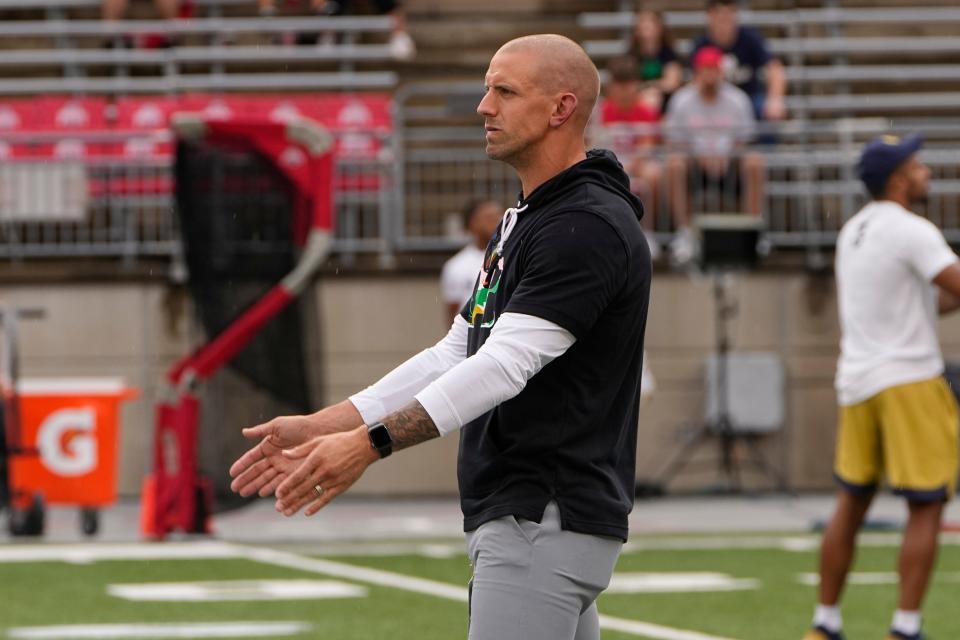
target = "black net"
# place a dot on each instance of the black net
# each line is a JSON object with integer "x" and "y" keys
{"x": 236, "y": 213}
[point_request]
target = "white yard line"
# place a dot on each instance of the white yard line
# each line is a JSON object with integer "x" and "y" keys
{"x": 678, "y": 582}
{"x": 236, "y": 591}
{"x": 213, "y": 550}
{"x": 353, "y": 572}
{"x": 654, "y": 631}
{"x": 86, "y": 553}
{"x": 875, "y": 578}
{"x": 251, "y": 629}
{"x": 445, "y": 590}
{"x": 797, "y": 543}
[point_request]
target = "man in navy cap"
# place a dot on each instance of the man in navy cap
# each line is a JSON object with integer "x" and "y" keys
{"x": 898, "y": 418}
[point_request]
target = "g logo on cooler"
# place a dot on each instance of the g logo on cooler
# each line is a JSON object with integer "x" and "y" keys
{"x": 73, "y": 456}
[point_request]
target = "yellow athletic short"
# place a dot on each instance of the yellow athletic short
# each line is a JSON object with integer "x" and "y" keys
{"x": 908, "y": 432}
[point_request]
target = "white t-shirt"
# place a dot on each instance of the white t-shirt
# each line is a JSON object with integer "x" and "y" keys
{"x": 460, "y": 274}
{"x": 886, "y": 259}
{"x": 710, "y": 128}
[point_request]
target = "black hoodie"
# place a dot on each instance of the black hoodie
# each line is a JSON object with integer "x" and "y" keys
{"x": 578, "y": 258}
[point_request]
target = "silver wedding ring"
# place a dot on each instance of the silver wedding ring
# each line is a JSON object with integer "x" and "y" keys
{"x": 318, "y": 489}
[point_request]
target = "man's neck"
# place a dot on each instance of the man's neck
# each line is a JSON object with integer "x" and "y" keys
{"x": 899, "y": 199}
{"x": 709, "y": 96}
{"x": 546, "y": 166}
{"x": 728, "y": 41}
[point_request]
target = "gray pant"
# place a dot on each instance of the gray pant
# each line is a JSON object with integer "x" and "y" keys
{"x": 535, "y": 581}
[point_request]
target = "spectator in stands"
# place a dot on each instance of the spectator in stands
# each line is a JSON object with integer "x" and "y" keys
{"x": 626, "y": 118}
{"x": 658, "y": 67}
{"x": 748, "y": 63}
{"x": 459, "y": 275}
{"x": 708, "y": 123}
{"x": 114, "y": 11}
{"x": 401, "y": 44}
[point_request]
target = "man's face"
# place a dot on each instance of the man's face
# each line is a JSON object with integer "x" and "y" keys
{"x": 624, "y": 94}
{"x": 708, "y": 79}
{"x": 516, "y": 111}
{"x": 917, "y": 176}
{"x": 647, "y": 27}
{"x": 722, "y": 24}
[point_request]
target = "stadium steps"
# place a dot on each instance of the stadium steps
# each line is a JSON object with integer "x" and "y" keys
{"x": 458, "y": 43}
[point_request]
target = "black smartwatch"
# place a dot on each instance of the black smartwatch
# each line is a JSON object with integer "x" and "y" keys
{"x": 380, "y": 439}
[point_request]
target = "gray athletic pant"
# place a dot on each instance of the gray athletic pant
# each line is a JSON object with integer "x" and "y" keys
{"x": 535, "y": 581}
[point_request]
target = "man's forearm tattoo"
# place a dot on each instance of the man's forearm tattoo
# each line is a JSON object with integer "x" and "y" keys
{"x": 410, "y": 425}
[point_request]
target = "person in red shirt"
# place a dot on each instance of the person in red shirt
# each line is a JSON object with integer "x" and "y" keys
{"x": 629, "y": 129}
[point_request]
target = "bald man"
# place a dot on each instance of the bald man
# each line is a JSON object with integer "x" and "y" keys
{"x": 541, "y": 370}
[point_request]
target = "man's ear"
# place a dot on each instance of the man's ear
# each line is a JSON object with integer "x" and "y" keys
{"x": 563, "y": 109}
{"x": 900, "y": 176}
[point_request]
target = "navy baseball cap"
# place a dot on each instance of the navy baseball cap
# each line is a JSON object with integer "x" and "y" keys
{"x": 882, "y": 156}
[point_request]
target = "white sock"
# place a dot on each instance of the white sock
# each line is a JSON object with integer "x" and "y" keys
{"x": 828, "y": 618}
{"x": 906, "y": 622}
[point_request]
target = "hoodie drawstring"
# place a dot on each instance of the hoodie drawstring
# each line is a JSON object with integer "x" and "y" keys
{"x": 507, "y": 224}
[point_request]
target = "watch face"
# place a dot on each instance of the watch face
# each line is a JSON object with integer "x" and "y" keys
{"x": 380, "y": 437}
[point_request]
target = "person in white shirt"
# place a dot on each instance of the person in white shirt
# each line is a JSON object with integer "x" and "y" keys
{"x": 898, "y": 417}
{"x": 708, "y": 125}
{"x": 459, "y": 274}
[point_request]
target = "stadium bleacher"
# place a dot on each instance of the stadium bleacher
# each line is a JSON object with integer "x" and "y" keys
{"x": 70, "y": 58}
{"x": 850, "y": 69}
{"x": 837, "y": 59}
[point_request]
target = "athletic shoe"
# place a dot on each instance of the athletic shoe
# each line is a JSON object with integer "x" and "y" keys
{"x": 684, "y": 247}
{"x": 402, "y": 46}
{"x": 822, "y": 633}
{"x": 897, "y": 635}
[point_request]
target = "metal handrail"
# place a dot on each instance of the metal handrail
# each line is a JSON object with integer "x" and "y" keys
{"x": 198, "y": 82}
{"x": 96, "y": 4}
{"x": 212, "y": 54}
{"x": 193, "y": 26}
{"x": 814, "y": 46}
{"x": 774, "y": 18}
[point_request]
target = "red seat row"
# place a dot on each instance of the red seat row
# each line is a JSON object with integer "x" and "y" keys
{"x": 144, "y": 123}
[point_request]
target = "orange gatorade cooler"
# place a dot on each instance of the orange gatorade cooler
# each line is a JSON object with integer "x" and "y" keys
{"x": 68, "y": 438}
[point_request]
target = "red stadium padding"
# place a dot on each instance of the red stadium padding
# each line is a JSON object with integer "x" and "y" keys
{"x": 147, "y": 123}
{"x": 53, "y": 114}
{"x": 361, "y": 123}
{"x": 124, "y": 186}
{"x": 57, "y": 114}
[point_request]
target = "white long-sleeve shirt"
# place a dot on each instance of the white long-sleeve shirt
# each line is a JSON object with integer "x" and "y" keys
{"x": 454, "y": 389}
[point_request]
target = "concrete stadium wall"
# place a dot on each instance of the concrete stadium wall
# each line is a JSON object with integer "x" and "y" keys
{"x": 363, "y": 326}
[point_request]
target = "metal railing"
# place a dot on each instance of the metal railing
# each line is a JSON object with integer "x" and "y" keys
{"x": 808, "y": 184}
{"x": 121, "y": 206}
{"x": 212, "y": 66}
{"x": 406, "y": 196}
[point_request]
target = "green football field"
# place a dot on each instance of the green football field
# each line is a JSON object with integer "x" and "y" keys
{"x": 675, "y": 589}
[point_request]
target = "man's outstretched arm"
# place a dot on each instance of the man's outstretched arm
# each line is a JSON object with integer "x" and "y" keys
{"x": 329, "y": 465}
{"x": 518, "y": 347}
{"x": 262, "y": 469}
{"x": 410, "y": 426}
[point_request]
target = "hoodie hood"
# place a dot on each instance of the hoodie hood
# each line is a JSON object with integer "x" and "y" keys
{"x": 600, "y": 168}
